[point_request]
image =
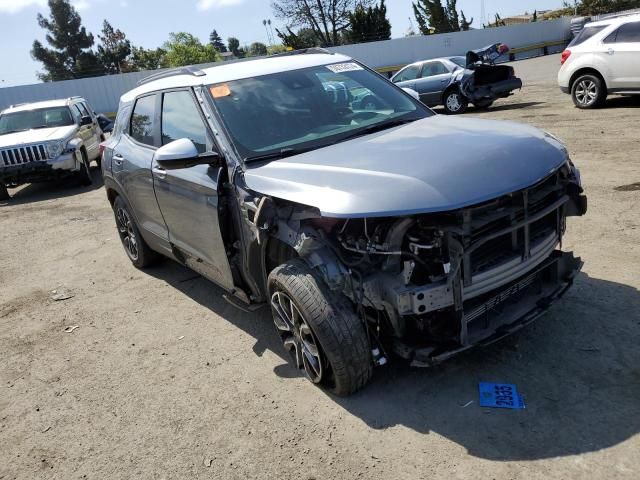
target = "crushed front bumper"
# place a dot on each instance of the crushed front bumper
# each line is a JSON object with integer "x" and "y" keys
{"x": 504, "y": 310}
{"x": 40, "y": 171}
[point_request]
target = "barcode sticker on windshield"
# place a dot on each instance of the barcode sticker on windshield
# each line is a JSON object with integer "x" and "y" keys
{"x": 344, "y": 67}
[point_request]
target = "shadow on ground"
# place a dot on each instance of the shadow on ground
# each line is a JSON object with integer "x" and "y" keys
{"x": 622, "y": 102}
{"x": 578, "y": 368}
{"x": 39, "y": 192}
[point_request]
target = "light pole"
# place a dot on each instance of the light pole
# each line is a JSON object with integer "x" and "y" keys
{"x": 265, "y": 23}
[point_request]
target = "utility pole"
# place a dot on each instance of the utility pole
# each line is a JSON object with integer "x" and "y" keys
{"x": 483, "y": 13}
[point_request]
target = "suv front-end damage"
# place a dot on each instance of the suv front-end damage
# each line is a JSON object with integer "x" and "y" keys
{"x": 432, "y": 285}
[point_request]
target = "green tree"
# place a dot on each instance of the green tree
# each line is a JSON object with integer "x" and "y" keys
{"x": 143, "y": 59}
{"x": 434, "y": 17}
{"x": 71, "y": 55}
{"x": 304, "y": 38}
{"x": 234, "y": 47}
{"x": 598, "y": 7}
{"x": 275, "y": 49}
{"x": 114, "y": 50}
{"x": 327, "y": 19}
{"x": 464, "y": 24}
{"x": 257, "y": 49}
{"x": 182, "y": 49}
{"x": 535, "y": 16}
{"x": 369, "y": 24}
{"x": 216, "y": 42}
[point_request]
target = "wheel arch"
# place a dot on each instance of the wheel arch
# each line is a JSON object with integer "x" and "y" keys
{"x": 275, "y": 252}
{"x": 586, "y": 71}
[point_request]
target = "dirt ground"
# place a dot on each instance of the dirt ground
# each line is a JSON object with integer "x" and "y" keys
{"x": 163, "y": 379}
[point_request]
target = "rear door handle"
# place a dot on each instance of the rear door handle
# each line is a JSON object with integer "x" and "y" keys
{"x": 159, "y": 172}
{"x": 118, "y": 159}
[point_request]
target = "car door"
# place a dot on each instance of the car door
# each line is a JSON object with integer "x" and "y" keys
{"x": 188, "y": 197}
{"x": 622, "y": 49}
{"x": 434, "y": 78}
{"x": 406, "y": 78}
{"x": 88, "y": 133}
{"x": 131, "y": 168}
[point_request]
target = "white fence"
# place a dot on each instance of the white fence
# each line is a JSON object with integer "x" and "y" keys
{"x": 103, "y": 93}
{"x": 403, "y": 51}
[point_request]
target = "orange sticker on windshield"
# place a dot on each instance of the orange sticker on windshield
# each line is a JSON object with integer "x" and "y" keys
{"x": 220, "y": 91}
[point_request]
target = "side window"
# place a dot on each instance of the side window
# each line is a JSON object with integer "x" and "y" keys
{"x": 181, "y": 119}
{"x": 143, "y": 120}
{"x": 86, "y": 108}
{"x": 433, "y": 68}
{"x": 611, "y": 38}
{"x": 409, "y": 73}
{"x": 629, "y": 33}
{"x": 121, "y": 119}
{"x": 75, "y": 112}
{"x": 83, "y": 109}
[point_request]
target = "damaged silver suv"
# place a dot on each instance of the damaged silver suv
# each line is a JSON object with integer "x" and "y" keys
{"x": 371, "y": 233}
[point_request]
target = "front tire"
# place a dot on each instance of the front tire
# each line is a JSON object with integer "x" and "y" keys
{"x": 4, "y": 193}
{"x": 318, "y": 327}
{"x": 134, "y": 245}
{"x": 455, "y": 103}
{"x": 84, "y": 175}
{"x": 588, "y": 91}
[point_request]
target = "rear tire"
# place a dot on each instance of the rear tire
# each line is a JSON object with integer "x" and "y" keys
{"x": 588, "y": 91}
{"x": 454, "y": 102}
{"x": 4, "y": 193}
{"x": 134, "y": 245}
{"x": 325, "y": 338}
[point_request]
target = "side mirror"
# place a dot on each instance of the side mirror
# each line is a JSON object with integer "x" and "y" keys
{"x": 182, "y": 153}
{"x": 86, "y": 120}
{"x": 413, "y": 93}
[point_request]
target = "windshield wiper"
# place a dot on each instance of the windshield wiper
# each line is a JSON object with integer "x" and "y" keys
{"x": 8, "y": 132}
{"x": 282, "y": 153}
{"x": 378, "y": 127}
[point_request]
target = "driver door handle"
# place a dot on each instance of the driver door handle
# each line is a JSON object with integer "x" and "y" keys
{"x": 611, "y": 51}
{"x": 159, "y": 172}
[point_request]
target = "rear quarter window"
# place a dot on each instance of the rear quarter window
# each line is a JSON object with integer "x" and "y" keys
{"x": 143, "y": 120}
{"x": 586, "y": 34}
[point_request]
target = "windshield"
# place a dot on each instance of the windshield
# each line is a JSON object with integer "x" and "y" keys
{"x": 460, "y": 61}
{"x": 585, "y": 35}
{"x": 309, "y": 108}
{"x": 31, "y": 119}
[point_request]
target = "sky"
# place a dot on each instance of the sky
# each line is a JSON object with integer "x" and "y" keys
{"x": 148, "y": 23}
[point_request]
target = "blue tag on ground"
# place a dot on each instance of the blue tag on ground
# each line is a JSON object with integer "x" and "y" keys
{"x": 500, "y": 395}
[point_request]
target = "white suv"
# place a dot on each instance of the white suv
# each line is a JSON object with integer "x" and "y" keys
{"x": 603, "y": 58}
{"x": 46, "y": 141}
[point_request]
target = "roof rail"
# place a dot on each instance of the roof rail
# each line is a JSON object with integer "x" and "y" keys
{"x": 611, "y": 16}
{"x": 196, "y": 72}
{"x": 303, "y": 51}
{"x": 18, "y": 104}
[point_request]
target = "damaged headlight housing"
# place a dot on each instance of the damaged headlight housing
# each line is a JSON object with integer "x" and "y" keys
{"x": 54, "y": 149}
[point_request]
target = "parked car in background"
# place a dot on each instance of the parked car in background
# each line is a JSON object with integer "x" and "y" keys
{"x": 369, "y": 232}
{"x": 603, "y": 59}
{"x": 454, "y": 82}
{"x": 46, "y": 141}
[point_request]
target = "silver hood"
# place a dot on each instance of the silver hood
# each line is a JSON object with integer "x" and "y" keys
{"x": 435, "y": 164}
{"x": 39, "y": 135}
